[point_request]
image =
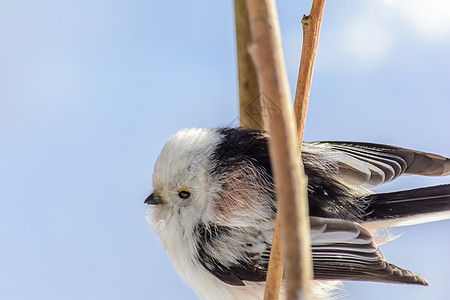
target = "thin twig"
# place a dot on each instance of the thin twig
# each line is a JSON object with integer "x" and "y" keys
{"x": 276, "y": 264}
{"x": 311, "y": 30}
{"x": 250, "y": 103}
{"x": 288, "y": 174}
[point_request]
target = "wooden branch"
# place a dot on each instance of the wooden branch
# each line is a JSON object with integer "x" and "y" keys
{"x": 311, "y": 29}
{"x": 250, "y": 103}
{"x": 288, "y": 173}
{"x": 276, "y": 264}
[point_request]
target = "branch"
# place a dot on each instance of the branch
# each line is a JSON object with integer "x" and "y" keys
{"x": 288, "y": 173}
{"x": 250, "y": 103}
{"x": 311, "y": 30}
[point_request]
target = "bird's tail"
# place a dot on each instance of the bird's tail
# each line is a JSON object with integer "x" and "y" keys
{"x": 409, "y": 207}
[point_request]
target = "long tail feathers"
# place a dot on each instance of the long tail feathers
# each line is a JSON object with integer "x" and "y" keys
{"x": 409, "y": 207}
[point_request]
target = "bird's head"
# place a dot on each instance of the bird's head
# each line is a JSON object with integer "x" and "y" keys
{"x": 213, "y": 176}
{"x": 184, "y": 186}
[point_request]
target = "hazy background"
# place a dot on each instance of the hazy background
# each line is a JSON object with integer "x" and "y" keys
{"x": 90, "y": 91}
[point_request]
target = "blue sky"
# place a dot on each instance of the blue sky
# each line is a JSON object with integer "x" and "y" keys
{"x": 90, "y": 92}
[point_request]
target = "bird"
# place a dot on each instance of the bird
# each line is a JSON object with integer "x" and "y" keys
{"x": 214, "y": 207}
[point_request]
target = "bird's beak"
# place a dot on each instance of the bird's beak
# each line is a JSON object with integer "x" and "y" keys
{"x": 152, "y": 200}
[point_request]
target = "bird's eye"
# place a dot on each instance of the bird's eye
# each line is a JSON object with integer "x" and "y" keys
{"x": 184, "y": 193}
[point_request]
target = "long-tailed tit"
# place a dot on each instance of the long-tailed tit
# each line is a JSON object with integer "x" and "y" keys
{"x": 214, "y": 208}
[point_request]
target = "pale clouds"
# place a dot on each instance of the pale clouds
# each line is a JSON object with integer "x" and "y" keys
{"x": 366, "y": 38}
{"x": 430, "y": 19}
{"x": 368, "y": 33}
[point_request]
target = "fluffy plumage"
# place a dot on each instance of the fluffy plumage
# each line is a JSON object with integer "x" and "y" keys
{"x": 215, "y": 207}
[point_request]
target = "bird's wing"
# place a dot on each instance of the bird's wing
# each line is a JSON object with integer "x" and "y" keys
{"x": 341, "y": 250}
{"x": 344, "y": 250}
{"x": 373, "y": 164}
{"x": 232, "y": 255}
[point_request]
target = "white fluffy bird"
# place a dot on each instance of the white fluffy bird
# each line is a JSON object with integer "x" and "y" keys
{"x": 214, "y": 209}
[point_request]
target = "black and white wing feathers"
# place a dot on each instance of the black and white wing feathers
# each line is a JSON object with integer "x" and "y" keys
{"x": 341, "y": 250}
{"x": 367, "y": 164}
{"x": 345, "y": 250}
{"x": 233, "y": 260}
